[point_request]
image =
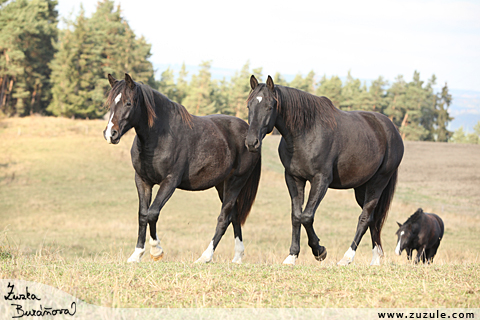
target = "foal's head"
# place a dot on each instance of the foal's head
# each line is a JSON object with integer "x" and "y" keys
{"x": 262, "y": 112}
{"x": 124, "y": 102}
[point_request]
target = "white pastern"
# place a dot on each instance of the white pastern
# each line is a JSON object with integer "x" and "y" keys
{"x": 118, "y": 98}
{"x": 156, "y": 250}
{"x": 347, "y": 257}
{"x": 136, "y": 255}
{"x": 239, "y": 251}
{"x": 259, "y": 99}
{"x": 397, "y": 249}
{"x": 290, "y": 260}
{"x": 377, "y": 253}
{"x": 207, "y": 255}
{"x": 108, "y": 131}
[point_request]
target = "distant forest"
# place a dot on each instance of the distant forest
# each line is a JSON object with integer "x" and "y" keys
{"x": 62, "y": 72}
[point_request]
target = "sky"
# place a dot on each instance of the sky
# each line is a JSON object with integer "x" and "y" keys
{"x": 369, "y": 38}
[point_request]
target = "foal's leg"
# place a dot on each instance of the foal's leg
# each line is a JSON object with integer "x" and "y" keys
{"x": 232, "y": 187}
{"x": 144, "y": 197}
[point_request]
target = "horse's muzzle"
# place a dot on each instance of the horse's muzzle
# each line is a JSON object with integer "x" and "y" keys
{"x": 253, "y": 145}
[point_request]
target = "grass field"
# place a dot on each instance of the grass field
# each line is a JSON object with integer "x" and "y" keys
{"x": 68, "y": 218}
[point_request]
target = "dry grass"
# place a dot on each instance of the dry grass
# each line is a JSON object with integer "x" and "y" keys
{"x": 68, "y": 211}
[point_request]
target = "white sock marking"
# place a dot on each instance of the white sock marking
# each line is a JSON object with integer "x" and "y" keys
{"x": 239, "y": 251}
{"x": 259, "y": 99}
{"x": 377, "y": 253}
{"x": 207, "y": 255}
{"x": 136, "y": 255}
{"x": 155, "y": 250}
{"x": 290, "y": 260}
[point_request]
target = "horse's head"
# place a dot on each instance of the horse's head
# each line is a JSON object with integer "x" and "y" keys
{"x": 124, "y": 114}
{"x": 407, "y": 233}
{"x": 262, "y": 112}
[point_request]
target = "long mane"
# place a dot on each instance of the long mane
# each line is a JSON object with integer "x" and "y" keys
{"x": 415, "y": 217}
{"x": 301, "y": 110}
{"x": 146, "y": 95}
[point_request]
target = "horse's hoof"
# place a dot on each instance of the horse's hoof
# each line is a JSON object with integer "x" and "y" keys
{"x": 202, "y": 259}
{"x": 344, "y": 262}
{"x": 157, "y": 258}
{"x": 322, "y": 254}
{"x": 290, "y": 260}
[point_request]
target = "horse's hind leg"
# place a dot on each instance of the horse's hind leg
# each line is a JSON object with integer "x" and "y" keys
{"x": 230, "y": 193}
{"x": 237, "y": 234}
{"x": 371, "y": 193}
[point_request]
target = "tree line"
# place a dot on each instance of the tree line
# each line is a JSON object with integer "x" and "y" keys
{"x": 62, "y": 72}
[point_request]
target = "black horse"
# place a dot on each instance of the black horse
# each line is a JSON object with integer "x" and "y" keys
{"x": 174, "y": 149}
{"x": 329, "y": 148}
{"x": 422, "y": 232}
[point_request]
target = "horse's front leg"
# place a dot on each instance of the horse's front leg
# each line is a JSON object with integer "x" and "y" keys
{"x": 165, "y": 191}
{"x": 319, "y": 187}
{"x": 296, "y": 189}
{"x": 144, "y": 197}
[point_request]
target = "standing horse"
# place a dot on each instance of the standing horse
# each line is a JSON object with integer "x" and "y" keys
{"x": 329, "y": 148}
{"x": 422, "y": 232}
{"x": 175, "y": 149}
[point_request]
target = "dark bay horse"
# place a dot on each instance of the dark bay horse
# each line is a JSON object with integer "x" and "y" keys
{"x": 422, "y": 232}
{"x": 175, "y": 149}
{"x": 329, "y": 148}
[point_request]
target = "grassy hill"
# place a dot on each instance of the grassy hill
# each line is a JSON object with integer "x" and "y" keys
{"x": 68, "y": 218}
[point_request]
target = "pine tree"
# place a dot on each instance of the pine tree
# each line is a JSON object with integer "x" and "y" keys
{"x": 95, "y": 47}
{"x": 331, "y": 88}
{"x": 182, "y": 85}
{"x": 199, "y": 100}
{"x": 28, "y": 29}
{"x": 351, "y": 93}
{"x": 167, "y": 85}
{"x": 239, "y": 91}
{"x": 442, "y": 117}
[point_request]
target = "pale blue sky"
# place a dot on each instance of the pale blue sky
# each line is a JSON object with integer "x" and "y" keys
{"x": 369, "y": 37}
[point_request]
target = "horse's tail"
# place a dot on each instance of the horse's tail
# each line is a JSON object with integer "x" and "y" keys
{"x": 248, "y": 193}
{"x": 383, "y": 205}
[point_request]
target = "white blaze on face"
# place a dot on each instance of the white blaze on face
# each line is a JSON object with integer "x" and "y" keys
{"x": 118, "y": 98}
{"x": 239, "y": 251}
{"x": 259, "y": 99}
{"x": 397, "y": 249}
{"x": 108, "y": 131}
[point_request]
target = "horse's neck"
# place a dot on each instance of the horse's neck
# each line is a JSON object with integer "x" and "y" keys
{"x": 286, "y": 132}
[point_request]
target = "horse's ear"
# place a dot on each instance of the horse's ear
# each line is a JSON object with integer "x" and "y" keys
{"x": 112, "y": 80}
{"x": 253, "y": 82}
{"x": 129, "y": 81}
{"x": 270, "y": 84}
{"x": 399, "y": 224}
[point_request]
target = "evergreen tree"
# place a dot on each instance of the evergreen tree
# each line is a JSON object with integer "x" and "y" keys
{"x": 351, "y": 93}
{"x": 331, "y": 88}
{"x": 306, "y": 84}
{"x": 378, "y": 94}
{"x": 102, "y": 44}
{"x": 278, "y": 79}
{"x": 200, "y": 99}
{"x": 28, "y": 29}
{"x": 167, "y": 85}
{"x": 239, "y": 91}
{"x": 182, "y": 85}
{"x": 442, "y": 117}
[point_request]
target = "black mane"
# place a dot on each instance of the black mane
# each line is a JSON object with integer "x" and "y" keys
{"x": 415, "y": 217}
